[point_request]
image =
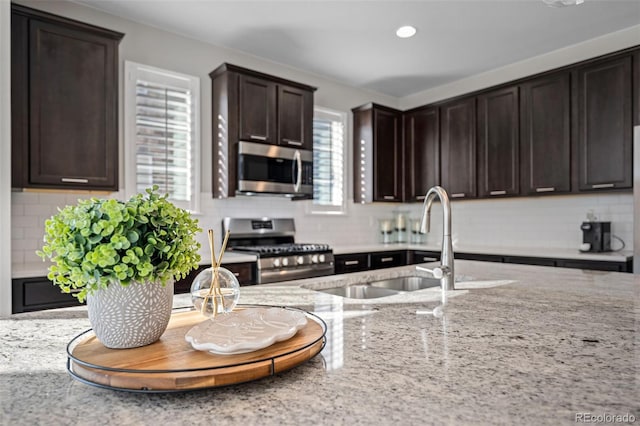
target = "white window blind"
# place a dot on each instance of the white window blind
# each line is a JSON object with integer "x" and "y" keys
{"x": 163, "y": 133}
{"x": 328, "y": 161}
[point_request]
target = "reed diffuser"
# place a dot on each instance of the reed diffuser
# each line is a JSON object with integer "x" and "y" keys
{"x": 215, "y": 290}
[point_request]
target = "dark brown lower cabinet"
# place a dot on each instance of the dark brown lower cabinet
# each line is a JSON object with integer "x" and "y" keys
{"x": 37, "y": 294}
{"x": 245, "y": 272}
{"x": 419, "y": 256}
{"x": 388, "y": 259}
{"x": 354, "y": 262}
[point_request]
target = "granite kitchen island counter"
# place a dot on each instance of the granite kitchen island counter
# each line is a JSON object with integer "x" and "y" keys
{"x": 525, "y": 345}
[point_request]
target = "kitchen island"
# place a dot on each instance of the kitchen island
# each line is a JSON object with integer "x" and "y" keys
{"x": 520, "y": 345}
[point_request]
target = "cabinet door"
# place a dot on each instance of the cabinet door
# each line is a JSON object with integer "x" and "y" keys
{"x": 498, "y": 143}
{"x": 422, "y": 152}
{"x": 257, "y": 110}
{"x": 458, "y": 147}
{"x": 388, "y": 259}
{"x": 387, "y": 171}
{"x": 545, "y": 135}
{"x": 354, "y": 262}
{"x": 295, "y": 117}
{"x": 72, "y": 108}
{"x": 604, "y": 124}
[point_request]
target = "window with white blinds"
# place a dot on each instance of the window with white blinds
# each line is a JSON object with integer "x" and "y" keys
{"x": 328, "y": 161}
{"x": 162, "y": 128}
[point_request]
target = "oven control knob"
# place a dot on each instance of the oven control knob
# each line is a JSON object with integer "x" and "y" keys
{"x": 276, "y": 262}
{"x": 299, "y": 260}
{"x": 321, "y": 258}
{"x": 285, "y": 261}
{"x": 314, "y": 258}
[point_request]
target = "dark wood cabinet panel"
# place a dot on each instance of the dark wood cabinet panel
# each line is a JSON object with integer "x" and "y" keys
{"x": 378, "y": 160}
{"x": 545, "y": 135}
{"x": 245, "y": 272}
{"x": 71, "y": 88}
{"x": 353, "y": 262}
{"x": 387, "y": 148}
{"x": 419, "y": 256}
{"x": 38, "y": 293}
{"x": 603, "y": 124}
{"x": 257, "y": 110}
{"x": 458, "y": 147}
{"x": 593, "y": 265}
{"x": 422, "y": 152}
{"x": 498, "y": 143}
{"x": 388, "y": 259}
{"x": 295, "y": 117}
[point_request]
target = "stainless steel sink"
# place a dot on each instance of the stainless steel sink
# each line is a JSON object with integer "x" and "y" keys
{"x": 383, "y": 288}
{"x": 360, "y": 291}
{"x": 407, "y": 283}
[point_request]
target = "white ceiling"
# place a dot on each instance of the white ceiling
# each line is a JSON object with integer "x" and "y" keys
{"x": 354, "y": 42}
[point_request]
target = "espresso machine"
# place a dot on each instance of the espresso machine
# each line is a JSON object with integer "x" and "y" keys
{"x": 596, "y": 237}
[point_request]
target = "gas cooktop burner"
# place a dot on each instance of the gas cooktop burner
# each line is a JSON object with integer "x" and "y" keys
{"x": 284, "y": 248}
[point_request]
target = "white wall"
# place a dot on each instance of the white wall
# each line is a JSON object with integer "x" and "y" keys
{"x": 536, "y": 222}
{"x": 5, "y": 158}
{"x": 589, "y": 49}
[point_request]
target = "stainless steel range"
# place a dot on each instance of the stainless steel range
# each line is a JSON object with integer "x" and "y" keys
{"x": 279, "y": 257}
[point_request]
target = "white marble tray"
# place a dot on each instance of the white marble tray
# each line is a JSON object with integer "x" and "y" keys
{"x": 245, "y": 330}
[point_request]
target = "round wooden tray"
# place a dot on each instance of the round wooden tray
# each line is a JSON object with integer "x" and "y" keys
{"x": 171, "y": 364}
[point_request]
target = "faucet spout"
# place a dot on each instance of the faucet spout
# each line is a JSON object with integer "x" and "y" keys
{"x": 446, "y": 255}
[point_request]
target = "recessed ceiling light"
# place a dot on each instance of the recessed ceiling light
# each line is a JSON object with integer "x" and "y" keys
{"x": 406, "y": 31}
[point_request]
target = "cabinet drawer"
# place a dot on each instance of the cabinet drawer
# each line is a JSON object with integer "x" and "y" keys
{"x": 351, "y": 263}
{"x": 539, "y": 261}
{"x": 244, "y": 272}
{"x": 592, "y": 265}
{"x": 388, "y": 259}
{"x": 419, "y": 256}
{"x": 35, "y": 294}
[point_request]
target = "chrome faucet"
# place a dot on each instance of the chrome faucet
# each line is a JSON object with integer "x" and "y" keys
{"x": 445, "y": 271}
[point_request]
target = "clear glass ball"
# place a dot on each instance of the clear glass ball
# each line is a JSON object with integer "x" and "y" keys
{"x": 219, "y": 300}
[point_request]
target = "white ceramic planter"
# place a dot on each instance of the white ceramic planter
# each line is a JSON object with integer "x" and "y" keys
{"x": 131, "y": 316}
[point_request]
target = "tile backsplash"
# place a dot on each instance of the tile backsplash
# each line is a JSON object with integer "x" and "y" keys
{"x": 536, "y": 222}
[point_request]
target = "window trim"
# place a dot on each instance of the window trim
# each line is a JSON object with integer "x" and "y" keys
{"x": 316, "y": 209}
{"x": 131, "y": 71}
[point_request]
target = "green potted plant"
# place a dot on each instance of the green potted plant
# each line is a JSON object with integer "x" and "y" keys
{"x": 123, "y": 258}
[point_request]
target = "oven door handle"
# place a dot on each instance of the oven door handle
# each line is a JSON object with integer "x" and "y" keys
{"x": 297, "y": 164}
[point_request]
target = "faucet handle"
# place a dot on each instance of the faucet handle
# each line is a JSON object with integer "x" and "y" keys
{"x": 437, "y": 272}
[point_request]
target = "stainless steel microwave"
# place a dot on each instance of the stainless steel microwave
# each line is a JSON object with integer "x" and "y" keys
{"x": 273, "y": 169}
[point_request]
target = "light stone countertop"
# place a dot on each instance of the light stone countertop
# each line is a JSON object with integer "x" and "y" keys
{"x": 521, "y": 345}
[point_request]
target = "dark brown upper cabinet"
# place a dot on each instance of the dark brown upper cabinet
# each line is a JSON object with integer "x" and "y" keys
{"x": 252, "y": 106}
{"x": 257, "y": 110}
{"x": 603, "y": 124}
{"x": 458, "y": 147}
{"x": 378, "y": 160}
{"x": 498, "y": 143}
{"x": 422, "y": 151}
{"x": 295, "y": 117}
{"x": 64, "y": 87}
{"x": 545, "y": 135}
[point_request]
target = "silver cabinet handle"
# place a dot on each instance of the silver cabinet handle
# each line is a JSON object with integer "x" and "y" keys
{"x": 429, "y": 259}
{"x": 74, "y": 180}
{"x": 546, "y": 189}
{"x": 603, "y": 185}
{"x": 458, "y": 195}
{"x": 297, "y": 162}
{"x": 389, "y": 197}
{"x": 497, "y": 192}
{"x": 386, "y": 259}
{"x": 419, "y": 197}
{"x": 237, "y": 274}
{"x": 290, "y": 142}
{"x": 351, "y": 262}
{"x": 260, "y": 138}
